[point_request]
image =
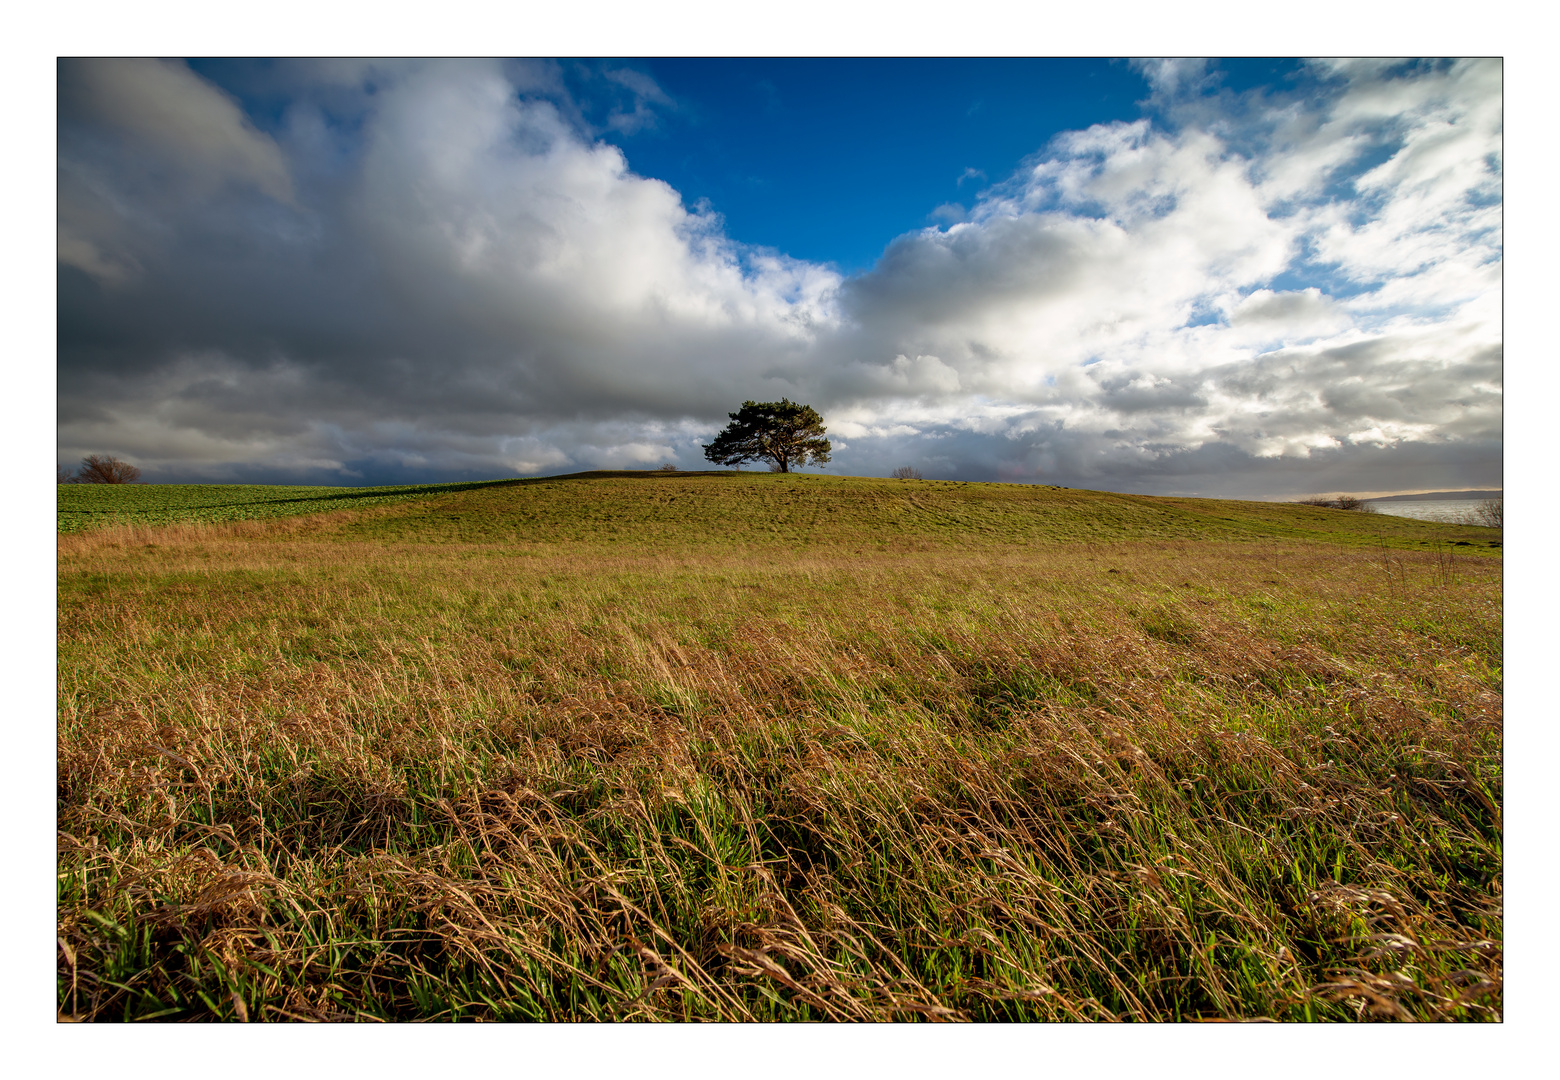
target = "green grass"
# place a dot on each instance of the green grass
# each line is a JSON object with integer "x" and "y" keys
{"x": 737, "y": 510}
{"x": 764, "y": 747}
{"x": 88, "y": 506}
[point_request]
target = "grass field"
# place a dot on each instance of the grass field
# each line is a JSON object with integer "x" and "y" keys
{"x": 93, "y": 506}
{"x": 720, "y": 746}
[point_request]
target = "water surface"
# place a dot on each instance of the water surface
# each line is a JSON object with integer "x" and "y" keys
{"x": 1456, "y": 511}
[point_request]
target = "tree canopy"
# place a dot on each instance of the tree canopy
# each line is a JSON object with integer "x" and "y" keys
{"x": 782, "y": 432}
{"x": 103, "y": 469}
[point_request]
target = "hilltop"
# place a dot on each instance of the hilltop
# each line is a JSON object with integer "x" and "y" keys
{"x": 679, "y": 510}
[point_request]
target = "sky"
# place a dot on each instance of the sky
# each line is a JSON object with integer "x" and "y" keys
{"x": 1251, "y": 279}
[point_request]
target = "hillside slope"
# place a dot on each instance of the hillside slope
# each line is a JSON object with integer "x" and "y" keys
{"x": 662, "y": 511}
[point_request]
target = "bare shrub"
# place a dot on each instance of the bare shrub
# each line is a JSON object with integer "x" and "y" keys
{"x": 905, "y": 472}
{"x": 1489, "y": 513}
{"x": 668, "y": 467}
{"x": 106, "y": 469}
{"x": 1342, "y": 502}
{"x": 1349, "y": 502}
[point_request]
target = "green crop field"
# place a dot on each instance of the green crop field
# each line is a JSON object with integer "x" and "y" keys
{"x": 717, "y": 746}
{"x": 89, "y": 506}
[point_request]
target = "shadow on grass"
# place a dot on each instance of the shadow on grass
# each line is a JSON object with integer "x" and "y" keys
{"x": 338, "y": 495}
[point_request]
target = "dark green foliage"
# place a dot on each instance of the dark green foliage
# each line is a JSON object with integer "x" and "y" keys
{"x": 782, "y": 432}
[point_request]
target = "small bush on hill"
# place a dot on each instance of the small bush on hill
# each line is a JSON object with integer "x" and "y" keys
{"x": 1341, "y": 502}
{"x": 102, "y": 469}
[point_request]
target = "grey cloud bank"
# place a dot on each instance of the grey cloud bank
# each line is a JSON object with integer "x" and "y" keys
{"x": 432, "y": 271}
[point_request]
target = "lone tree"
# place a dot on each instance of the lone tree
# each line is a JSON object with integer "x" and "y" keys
{"x": 103, "y": 469}
{"x": 779, "y": 431}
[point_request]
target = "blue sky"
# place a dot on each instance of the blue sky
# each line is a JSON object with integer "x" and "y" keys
{"x": 829, "y": 161}
{"x": 1247, "y": 278}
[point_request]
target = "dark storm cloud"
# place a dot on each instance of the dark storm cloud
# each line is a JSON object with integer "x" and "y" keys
{"x": 1127, "y": 395}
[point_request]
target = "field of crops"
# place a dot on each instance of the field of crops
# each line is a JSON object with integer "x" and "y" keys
{"x": 87, "y": 506}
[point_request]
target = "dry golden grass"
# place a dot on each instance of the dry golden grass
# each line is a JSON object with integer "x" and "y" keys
{"x": 306, "y": 778}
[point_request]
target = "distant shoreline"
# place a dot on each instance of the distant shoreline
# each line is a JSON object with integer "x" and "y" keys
{"x": 1428, "y": 496}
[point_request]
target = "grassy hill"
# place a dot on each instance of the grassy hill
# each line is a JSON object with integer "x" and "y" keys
{"x": 758, "y": 746}
{"x": 725, "y": 509}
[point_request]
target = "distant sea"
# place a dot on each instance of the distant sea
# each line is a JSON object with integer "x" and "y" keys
{"x": 1453, "y": 510}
